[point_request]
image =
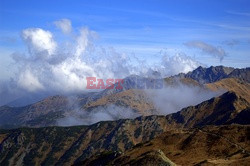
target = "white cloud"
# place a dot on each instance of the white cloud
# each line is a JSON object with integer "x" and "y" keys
{"x": 207, "y": 48}
{"x": 67, "y": 68}
{"x": 64, "y": 25}
{"x": 179, "y": 63}
{"x": 39, "y": 41}
{"x": 82, "y": 41}
{"x": 70, "y": 75}
{"x": 175, "y": 64}
{"x": 29, "y": 81}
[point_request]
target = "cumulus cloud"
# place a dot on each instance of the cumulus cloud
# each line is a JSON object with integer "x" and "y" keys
{"x": 207, "y": 48}
{"x": 56, "y": 67}
{"x": 64, "y": 25}
{"x": 65, "y": 69}
{"x": 179, "y": 63}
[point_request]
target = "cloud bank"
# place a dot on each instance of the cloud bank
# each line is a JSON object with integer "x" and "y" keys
{"x": 61, "y": 67}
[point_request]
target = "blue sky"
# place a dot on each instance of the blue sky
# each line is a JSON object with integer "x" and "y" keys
{"x": 139, "y": 27}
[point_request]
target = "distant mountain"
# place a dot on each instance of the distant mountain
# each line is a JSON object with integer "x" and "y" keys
{"x": 27, "y": 100}
{"x": 213, "y": 74}
{"x": 243, "y": 74}
{"x": 42, "y": 113}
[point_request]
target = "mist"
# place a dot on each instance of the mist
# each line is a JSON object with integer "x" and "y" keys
{"x": 173, "y": 98}
{"x": 110, "y": 112}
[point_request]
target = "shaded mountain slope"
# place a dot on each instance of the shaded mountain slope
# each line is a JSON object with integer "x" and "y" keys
{"x": 210, "y": 145}
{"x": 76, "y": 145}
{"x": 58, "y": 145}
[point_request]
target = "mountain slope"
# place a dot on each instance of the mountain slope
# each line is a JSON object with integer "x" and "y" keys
{"x": 210, "y": 145}
{"x": 241, "y": 88}
{"x": 216, "y": 111}
{"x": 153, "y": 157}
{"x": 42, "y": 113}
{"x": 64, "y": 146}
{"x": 58, "y": 145}
{"x": 82, "y": 146}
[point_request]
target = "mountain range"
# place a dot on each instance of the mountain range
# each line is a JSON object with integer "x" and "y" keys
{"x": 212, "y": 132}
